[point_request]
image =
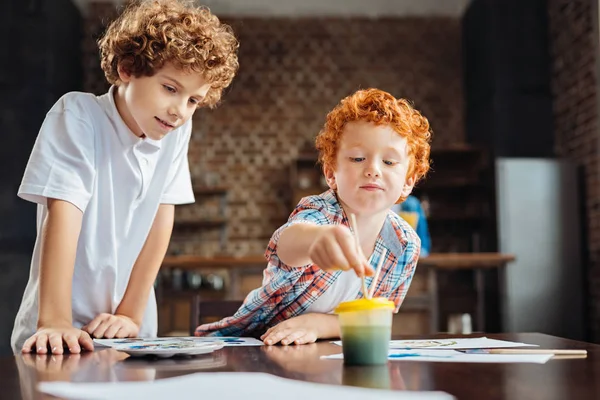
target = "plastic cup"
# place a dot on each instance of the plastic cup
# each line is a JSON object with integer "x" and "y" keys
{"x": 366, "y": 327}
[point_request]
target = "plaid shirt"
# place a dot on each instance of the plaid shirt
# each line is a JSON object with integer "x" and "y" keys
{"x": 287, "y": 291}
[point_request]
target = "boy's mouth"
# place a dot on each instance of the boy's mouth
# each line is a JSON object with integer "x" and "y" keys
{"x": 371, "y": 186}
{"x": 165, "y": 123}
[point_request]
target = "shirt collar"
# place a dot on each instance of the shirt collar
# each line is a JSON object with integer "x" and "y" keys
{"x": 126, "y": 136}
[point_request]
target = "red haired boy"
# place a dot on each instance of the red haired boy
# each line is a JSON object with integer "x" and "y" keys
{"x": 373, "y": 149}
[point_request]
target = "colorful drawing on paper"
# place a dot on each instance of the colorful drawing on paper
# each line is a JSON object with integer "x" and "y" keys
{"x": 177, "y": 342}
{"x": 421, "y": 344}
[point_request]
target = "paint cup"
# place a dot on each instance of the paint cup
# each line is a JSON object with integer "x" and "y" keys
{"x": 366, "y": 328}
{"x": 373, "y": 376}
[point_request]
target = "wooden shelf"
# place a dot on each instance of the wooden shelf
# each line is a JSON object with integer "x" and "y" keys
{"x": 421, "y": 302}
{"x": 458, "y": 182}
{"x": 207, "y": 293}
{"x": 210, "y": 191}
{"x": 197, "y": 262}
{"x": 205, "y": 223}
{"x": 465, "y": 260}
{"x": 461, "y": 149}
{"x": 447, "y": 217}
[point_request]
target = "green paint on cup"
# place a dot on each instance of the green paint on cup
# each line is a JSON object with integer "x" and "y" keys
{"x": 365, "y": 345}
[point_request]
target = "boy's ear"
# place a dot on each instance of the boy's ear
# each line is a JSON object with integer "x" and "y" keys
{"x": 124, "y": 75}
{"x": 408, "y": 186}
{"x": 329, "y": 177}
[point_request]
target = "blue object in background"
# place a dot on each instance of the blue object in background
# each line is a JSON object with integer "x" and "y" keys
{"x": 412, "y": 204}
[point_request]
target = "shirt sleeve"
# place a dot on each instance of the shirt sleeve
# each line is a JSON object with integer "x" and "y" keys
{"x": 308, "y": 211}
{"x": 62, "y": 162}
{"x": 178, "y": 188}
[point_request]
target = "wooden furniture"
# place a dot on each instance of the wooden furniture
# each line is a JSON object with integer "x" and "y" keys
{"x": 212, "y": 216}
{"x": 479, "y": 263}
{"x": 201, "y": 310}
{"x": 560, "y": 378}
{"x": 423, "y": 297}
{"x": 306, "y": 178}
{"x": 175, "y": 304}
{"x": 456, "y": 198}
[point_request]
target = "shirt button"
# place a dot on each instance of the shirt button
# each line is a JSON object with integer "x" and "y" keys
{"x": 145, "y": 161}
{"x": 313, "y": 293}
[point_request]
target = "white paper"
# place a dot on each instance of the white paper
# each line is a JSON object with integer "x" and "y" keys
{"x": 170, "y": 340}
{"x": 226, "y": 386}
{"x": 457, "y": 356}
{"x": 462, "y": 343}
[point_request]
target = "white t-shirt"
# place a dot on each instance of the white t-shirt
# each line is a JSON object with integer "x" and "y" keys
{"x": 346, "y": 287}
{"x": 86, "y": 155}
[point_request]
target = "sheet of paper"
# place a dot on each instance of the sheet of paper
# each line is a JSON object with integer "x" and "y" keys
{"x": 226, "y": 386}
{"x": 457, "y": 356}
{"x": 462, "y": 343}
{"x": 175, "y": 341}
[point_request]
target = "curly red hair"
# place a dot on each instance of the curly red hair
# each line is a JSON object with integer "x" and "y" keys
{"x": 380, "y": 108}
{"x": 149, "y": 34}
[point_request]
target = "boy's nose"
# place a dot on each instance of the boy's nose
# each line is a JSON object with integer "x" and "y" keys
{"x": 177, "y": 110}
{"x": 372, "y": 172}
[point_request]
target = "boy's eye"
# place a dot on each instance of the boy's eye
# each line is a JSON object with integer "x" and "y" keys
{"x": 170, "y": 88}
{"x": 357, "y": 159}
{"x": 194, "y": 101}
{"x": 388, "y": 162}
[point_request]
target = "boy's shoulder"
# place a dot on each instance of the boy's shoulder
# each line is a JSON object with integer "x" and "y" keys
{"x": 84, "y": 106}
{"x": 405, "y": 233}
{"x": 325, "y": 202}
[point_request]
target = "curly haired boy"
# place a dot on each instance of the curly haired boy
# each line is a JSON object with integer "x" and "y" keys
{"x": 373, "y": 148}
{"x": 106, "y": 172}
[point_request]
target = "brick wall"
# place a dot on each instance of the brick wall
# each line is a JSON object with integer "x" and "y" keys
{"x": 574, "y": 47}
{"x": 293, "y": 71}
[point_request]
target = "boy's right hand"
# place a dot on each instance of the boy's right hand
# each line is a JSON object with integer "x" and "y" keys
{"x": 57, "y": 339}
{"x": 334, "y": 248}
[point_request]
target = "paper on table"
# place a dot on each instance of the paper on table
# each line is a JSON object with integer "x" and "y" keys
{"x": 226, "y": 386}
{"x": 457, "y": 356}
{"x": 228, "y": 340}
{"x": 462, "y": 343}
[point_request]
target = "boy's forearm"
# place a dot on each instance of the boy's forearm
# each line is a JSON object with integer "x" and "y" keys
{"x": 147, "y": 265}
{"x": 57, "y": 260}
{"x": 294, "y": 243}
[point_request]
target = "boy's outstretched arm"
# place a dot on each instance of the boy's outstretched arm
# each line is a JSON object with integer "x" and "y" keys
{"x": 331, "y": 247}
{"x": 129, "y": 314}
{"x": 60, "y": 233}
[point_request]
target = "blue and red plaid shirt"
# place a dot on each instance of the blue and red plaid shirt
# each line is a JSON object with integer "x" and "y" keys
{"x": 287, "y": 292}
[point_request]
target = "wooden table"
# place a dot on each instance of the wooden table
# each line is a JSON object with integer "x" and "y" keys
{"x": 558, "y": 379}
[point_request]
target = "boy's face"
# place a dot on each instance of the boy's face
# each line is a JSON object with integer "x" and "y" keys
{"x": 155, "y": 105}
{"x": 371, "y": 167}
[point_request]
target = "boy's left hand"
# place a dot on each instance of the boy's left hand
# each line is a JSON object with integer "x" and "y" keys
{"x": 111, "y": 326}
{"x": 306, "y": 328}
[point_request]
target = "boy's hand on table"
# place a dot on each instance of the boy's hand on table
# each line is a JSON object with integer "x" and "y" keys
{"x": 111, "y": 326}
{"x": 58, "y": 338}
{"x": 306, "y": 328}
{"x": 334, "y": 248}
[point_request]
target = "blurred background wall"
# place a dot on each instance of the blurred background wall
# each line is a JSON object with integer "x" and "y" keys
{"x": 518, "y": 78}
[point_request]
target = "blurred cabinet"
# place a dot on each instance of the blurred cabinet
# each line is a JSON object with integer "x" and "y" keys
{"x": 306, "y": 178}
{"x": 208, "y": 213}
{"x": 457, "y": 196}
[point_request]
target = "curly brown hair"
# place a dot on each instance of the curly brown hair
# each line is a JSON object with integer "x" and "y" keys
{"x": 380, "y": 108}
{"x": 149, "y": 34}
